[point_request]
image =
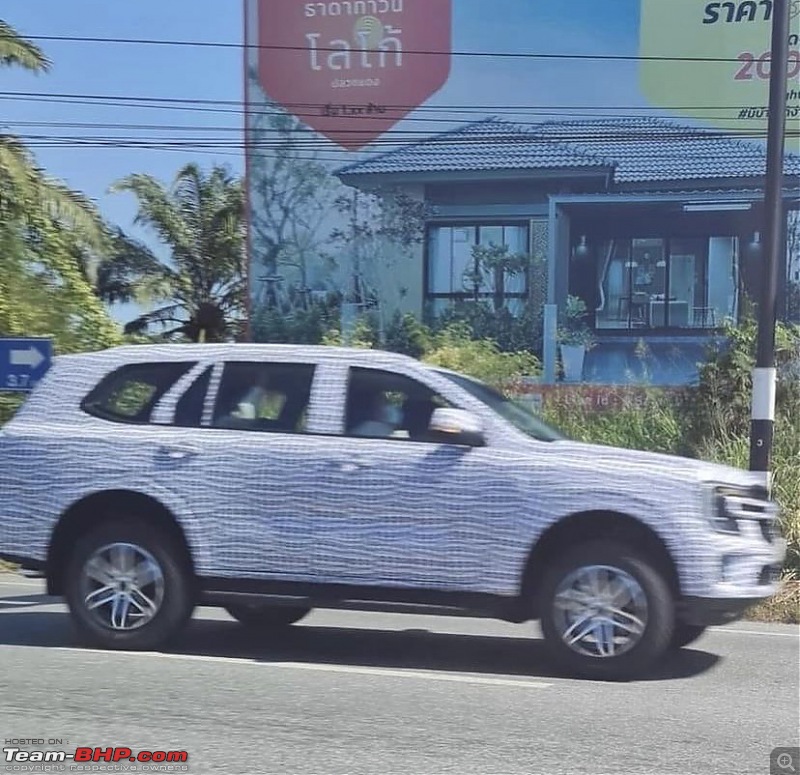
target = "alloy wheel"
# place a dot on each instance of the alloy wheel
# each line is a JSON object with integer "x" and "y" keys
{"x": 600, "y": 611}
{"x": 122, "y": 586}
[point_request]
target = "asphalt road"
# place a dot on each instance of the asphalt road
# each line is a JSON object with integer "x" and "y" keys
{"x": 346, "y": 692}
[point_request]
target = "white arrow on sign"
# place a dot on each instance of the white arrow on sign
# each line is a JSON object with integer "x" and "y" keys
{"x": 30, "y": 357}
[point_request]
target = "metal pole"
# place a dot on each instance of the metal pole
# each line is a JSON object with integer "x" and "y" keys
{"x": 764, "y": 375}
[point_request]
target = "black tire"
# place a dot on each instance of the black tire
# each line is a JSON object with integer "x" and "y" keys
{"x": 658, "y": 624}
{"x": 262, "y": 616}
{"x": 685, "y": 634}
{"x": 177, "y": 599}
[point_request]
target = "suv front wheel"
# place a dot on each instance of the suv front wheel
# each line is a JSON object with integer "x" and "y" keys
{"x": 127, "y": 587}
{"x": 606, "y": 611}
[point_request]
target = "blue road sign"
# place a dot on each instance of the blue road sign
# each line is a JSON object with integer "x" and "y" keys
{"x": 23, "y": 362}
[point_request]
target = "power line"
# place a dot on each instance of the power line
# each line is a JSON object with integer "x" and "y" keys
{"x": 477, "y": 54}
{"x": 521, "y": 137}
{"x": 291, "y": 106}
{"x": 93, "y": 125}
{"x": 448, "y": 117}
{"x": 259, "y": 151}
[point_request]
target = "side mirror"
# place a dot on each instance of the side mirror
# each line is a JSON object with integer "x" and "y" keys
{"x": 457, "y": 426}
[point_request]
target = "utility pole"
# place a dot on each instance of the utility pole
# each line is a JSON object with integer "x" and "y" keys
{"x": 764, "y": 375}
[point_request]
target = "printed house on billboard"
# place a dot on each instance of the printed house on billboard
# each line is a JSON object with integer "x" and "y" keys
{"x": 654, "y": 225}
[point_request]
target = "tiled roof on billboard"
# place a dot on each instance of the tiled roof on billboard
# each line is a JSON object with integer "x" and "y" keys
{"x": 637, "y": 149}
{"x": 490, "y": 144}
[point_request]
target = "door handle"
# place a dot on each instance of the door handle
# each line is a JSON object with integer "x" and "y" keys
{"x": 177, "y": 453}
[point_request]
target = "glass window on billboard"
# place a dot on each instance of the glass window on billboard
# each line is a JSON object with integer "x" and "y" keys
{"x": 668, "y": 283}
{"x": 478, "y": 262}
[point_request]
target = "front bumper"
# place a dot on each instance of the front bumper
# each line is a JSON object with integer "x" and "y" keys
{"x": 738, "y": 573}
{"x": 746, "y": 565}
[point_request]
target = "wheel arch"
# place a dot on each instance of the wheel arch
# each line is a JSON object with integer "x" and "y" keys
{"x": 587, "y": 526}
{"x": 92, "y": 510}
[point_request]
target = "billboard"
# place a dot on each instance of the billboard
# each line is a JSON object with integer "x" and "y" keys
{"x": 337, "y": 63}
{"x": 711, "y": 61}
{"x": 333, "y": 83}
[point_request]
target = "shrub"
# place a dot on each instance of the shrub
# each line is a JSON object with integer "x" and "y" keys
{"x": 511, "y": 333}
{"x": 8, "y": 406}
{"x": 408, "y": 336}
{"x": 720, "y": 406}
{"x": 454, "y": 348}
{"x": 296, "y": 326}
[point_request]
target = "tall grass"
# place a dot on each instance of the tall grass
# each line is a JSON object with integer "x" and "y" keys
{"x": 647, "y": 421}
{"x": 735, "y": 450}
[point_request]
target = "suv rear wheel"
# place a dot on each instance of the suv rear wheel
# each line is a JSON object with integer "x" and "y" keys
{"x": 127, "y": 587}
{"x": 606, "y": 611}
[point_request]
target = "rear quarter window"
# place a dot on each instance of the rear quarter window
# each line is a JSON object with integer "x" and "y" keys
{"x": 129, "y": 394}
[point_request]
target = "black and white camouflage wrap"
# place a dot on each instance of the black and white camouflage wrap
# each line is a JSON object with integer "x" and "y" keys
{"x": 322, "y": 507}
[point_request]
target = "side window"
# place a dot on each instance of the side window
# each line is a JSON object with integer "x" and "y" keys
{"x": 189, "y": 409}
{"x": 129, "y": 394}
{"x": 381, "y": 404}
{"x": 270, "y": 397}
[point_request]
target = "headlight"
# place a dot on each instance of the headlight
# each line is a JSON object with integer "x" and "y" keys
{"x": 732, "y": 505}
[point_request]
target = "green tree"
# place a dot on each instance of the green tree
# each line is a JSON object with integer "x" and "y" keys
{"x": 52, "y": 240}
{"x": 199, "y": 291}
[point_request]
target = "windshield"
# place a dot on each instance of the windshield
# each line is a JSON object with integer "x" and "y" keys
{"x": 520, "y": 416}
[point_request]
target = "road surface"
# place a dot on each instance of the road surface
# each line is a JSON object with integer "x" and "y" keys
{"x": 348, "y": 692}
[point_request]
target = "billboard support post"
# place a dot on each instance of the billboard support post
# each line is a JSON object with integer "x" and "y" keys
{"x": 764, "y": 375}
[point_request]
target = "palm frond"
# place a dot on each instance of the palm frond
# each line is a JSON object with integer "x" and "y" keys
{"x": 162, "y": 316}
{"x": 156, "y": 210}
{"x": 15, "y": 166}
{"x": 17, "y": 51}
{"x": 61, "y": 203}
{"x": 119, "y": 277}
{"x": 21, "y": 181}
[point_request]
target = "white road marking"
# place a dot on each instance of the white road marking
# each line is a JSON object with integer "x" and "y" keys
{"x": 763, "y": 633}
{"x": 21, "y": 582}
{"x": 374, "y": 671}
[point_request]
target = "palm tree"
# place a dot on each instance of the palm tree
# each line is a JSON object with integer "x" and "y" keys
{"x": 199, "y": 291}
{"x": 23, "y": 185}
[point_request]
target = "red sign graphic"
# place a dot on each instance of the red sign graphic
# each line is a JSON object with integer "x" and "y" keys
{"x": 353, "y": 69}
